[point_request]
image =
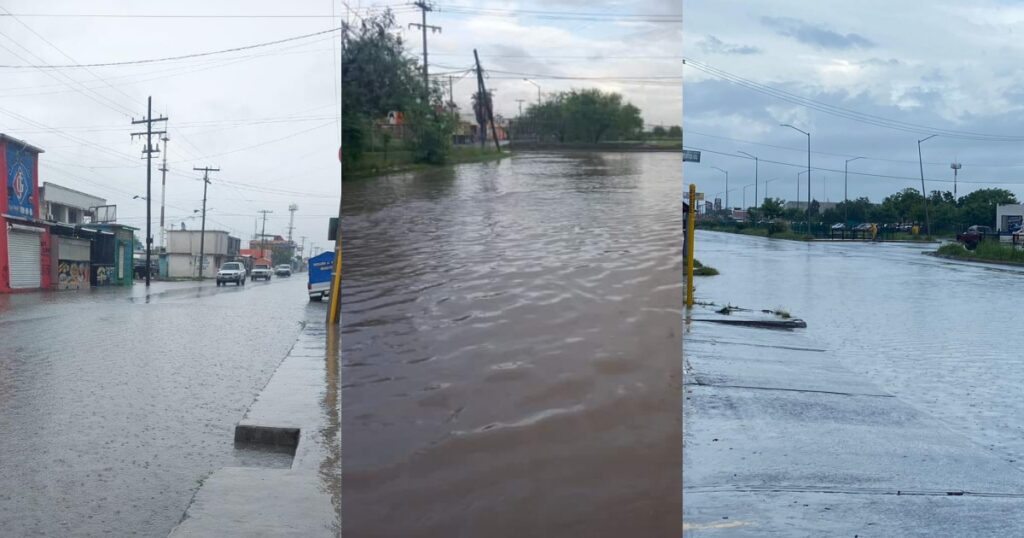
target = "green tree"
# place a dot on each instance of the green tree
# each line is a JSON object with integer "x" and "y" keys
{"x": 675, "y": 131}
{"x": 377, "y": 78}
{"x": 584, "y": 116}
{"x": 772, "y": 208}
{"x": 658, "y": 131}
{"x": 979, "y": 207}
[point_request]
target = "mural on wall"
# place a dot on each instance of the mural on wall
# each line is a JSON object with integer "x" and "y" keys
{"x": 72, "y": 275}
{"x": 21, "y": 167}
{"x": 104, "y": 275}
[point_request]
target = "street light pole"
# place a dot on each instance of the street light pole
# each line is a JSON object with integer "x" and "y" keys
{"x": 538, "y": 89}
{"x": 808, "y": 172}
{"x": 924, "y": 193}
{"x": 755, "y": 177}
{"x": 846, "y": 199}
{"x": 745, "y": 194}
{"x": 766, "y": 182}
{"x": 726, "y": 172}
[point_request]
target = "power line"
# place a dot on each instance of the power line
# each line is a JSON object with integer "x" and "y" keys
{"x": 171, "y": 58}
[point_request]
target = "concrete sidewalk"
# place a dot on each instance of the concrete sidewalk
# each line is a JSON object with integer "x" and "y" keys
{"x": 299, "y": 410}
{"x": 781, "y": 440}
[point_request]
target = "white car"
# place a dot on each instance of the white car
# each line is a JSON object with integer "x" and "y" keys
{"x": 283, "y": 270}
{"x": 261, "y": 271}
{"x": 231, "y": 272}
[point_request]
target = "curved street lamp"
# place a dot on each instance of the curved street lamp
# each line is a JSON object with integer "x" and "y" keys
{"x": 808, "y": 171}
{"x": 726, "y": 172}
{"x": 846, "y": 199}
{"x": 538, "y": 89}
{"x": 755, "y": 175}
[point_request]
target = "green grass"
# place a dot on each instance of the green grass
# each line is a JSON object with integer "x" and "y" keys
{"x": 380, "y": 163}
{"x": 699, "y": 269}
{"x": 987, "y": 251}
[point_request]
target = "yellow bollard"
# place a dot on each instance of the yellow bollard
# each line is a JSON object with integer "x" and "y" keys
{"x": 691, "y": 223}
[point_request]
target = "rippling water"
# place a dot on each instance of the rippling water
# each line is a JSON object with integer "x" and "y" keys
{"x": 943, "y": 336}
{"x": 511, "y": 348}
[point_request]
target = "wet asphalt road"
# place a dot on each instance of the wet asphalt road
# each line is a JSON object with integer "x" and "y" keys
{"x": 115, "y": 403}
{"x": 510, "y": 349}
{"x": 941, "y": 335}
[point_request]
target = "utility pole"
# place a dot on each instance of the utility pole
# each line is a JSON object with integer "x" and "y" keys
{"x": 263, "y": 234}
{"x": 846, "y": 198}
{"x": 425, "y": 7}
{"x": 924, "y": 194}
{"x": 163, "y": 195}
{"x": 291, "y": 220}
{"x": 755, "y": 179}
{"x": 486, "y": 100}
{"x": 956, "y": 168}
{"x": 202, "y": 233}
{"x": 149, "y": 151}
{"x": 520, "y": 101}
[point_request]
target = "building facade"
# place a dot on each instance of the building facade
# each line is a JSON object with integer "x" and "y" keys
{"x": 183, "y": 252}
{"x": 68, "y": 206}
{"x": 25, "y": 247}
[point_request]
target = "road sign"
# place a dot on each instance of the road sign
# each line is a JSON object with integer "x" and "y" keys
{"x": 699, "y": 197}
{"x": 691, "y": 156}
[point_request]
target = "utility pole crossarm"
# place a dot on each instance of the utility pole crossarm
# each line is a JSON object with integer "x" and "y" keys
{"x": 424, "y": 8}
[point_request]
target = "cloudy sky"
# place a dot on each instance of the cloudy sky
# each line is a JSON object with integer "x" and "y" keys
{"x": 267, "y": 116}
{"x": 941, "y": 67}
{"x": 632, "y": 48}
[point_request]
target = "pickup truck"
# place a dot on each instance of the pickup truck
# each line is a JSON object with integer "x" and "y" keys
{"x": 974, "y": 235}
{"x": 231, "y": 272}
{"x": 261, "y": 272}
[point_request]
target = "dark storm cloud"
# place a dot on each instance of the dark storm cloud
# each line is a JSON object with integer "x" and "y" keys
{"x": 712, "y": 45}
{"x": 815, "y": 35}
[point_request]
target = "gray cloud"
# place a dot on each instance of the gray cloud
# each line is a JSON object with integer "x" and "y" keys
{"x": 814, "y": 35}
{"x": 712, "y": 45}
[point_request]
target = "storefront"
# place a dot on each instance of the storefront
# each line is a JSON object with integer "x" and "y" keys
{"x": 25, "y": 250}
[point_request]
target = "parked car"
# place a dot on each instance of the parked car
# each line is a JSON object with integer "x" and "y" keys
{"x": 864, "y": 226}
{"x": 974, "y": 235}
{"x": 321, "y": 268}
{"x": 283, "y": 270}
{"x": 838, "y": 226}
{"x": 231, "y": 272}
{"x": 261, "y": 271}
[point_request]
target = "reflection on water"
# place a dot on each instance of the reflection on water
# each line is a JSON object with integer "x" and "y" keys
{"x": 511, "y": 348}
{"x": 943, "y": 336}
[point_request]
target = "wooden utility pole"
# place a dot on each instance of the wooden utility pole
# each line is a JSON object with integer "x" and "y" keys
{"x": 425, "y": 7}
{"x": 263, "y": 234}
{"x": 202, "y": 230}
{"x": 149, "y": 151}
{"x": 486, "y": 101}
{"x": 163, "y": 195}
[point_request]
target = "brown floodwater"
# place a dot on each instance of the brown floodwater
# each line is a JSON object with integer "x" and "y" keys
{"x": 511, "y": 349}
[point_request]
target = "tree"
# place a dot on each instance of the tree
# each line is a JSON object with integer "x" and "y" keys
{"x": 378, "y": 78}
{"x": 658, "y": 131}
{"x": 675, "y": 131}
{"x": 772, "y": 208}
{"x": 588, "y": 116}
{"x": 979, "y": 207}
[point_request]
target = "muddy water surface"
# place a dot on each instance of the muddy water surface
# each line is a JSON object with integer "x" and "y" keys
{"x": 510, "y": 349}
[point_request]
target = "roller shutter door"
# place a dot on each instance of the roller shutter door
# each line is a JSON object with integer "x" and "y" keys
{"x": 24, "y": 256}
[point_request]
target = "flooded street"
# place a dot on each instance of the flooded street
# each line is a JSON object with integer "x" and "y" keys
{"x": 115, "y": 404}
{"x": 510, "y": 348}
{"x": 939, "y": 335}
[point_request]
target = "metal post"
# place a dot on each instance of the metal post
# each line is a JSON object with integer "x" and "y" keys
{"x": 924, "y": 193}
{"x": 691, "y": 223}
{"x": 846, "y": 199}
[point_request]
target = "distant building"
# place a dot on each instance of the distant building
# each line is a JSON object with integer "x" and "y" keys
{"x": 183, "y": 252}
{"x": 1008, "y": 216}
